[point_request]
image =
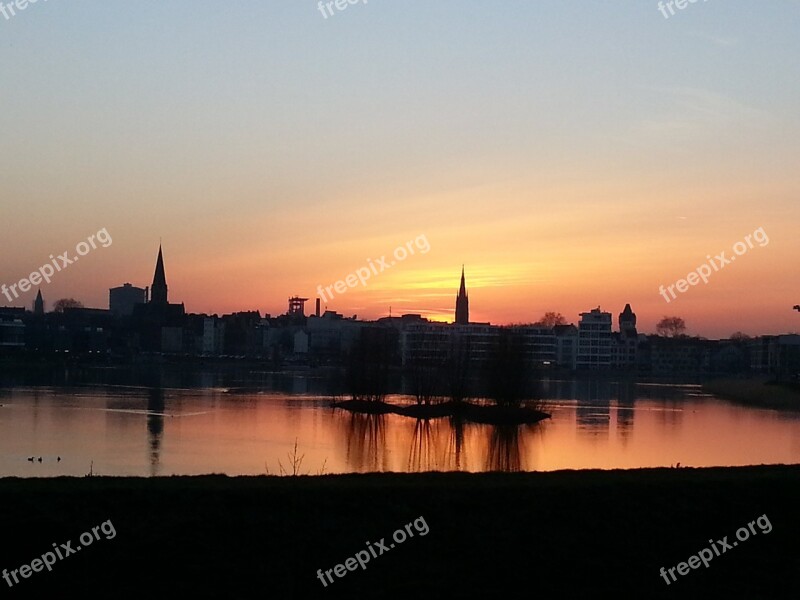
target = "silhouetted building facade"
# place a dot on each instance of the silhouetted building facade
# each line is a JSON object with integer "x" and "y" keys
{"x": 122, "y": 300}
{"x": 679, "y": 355}
{"x": 627, "y": 320}
{"x": 777, "y": 355}
{"x": 625, "y": 344}
{"x": 159, "y": 325}
{"x": 12, "y": 328}
{"x": 566, "y": 346}
{"x": 594, "y": 340}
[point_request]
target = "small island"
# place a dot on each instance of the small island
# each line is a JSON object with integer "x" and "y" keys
{"x": 464, "y": 411}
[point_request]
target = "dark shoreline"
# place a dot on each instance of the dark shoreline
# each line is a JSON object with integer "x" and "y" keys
{"x": 557, "y": 535}
{"x": 757, "y": 392}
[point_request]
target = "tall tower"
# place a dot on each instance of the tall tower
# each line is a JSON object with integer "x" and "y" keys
{"x": 627, "y": 320}
{"x": 297, "y": 306}
{"x": 38, "y": 304}
{"x": 462, "y": 302}
{"x": 158, "y": 291}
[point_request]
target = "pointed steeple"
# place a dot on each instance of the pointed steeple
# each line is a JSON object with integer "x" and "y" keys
{"x": 158, "y": 291}
{"x": 38, "y": 304}
{"x": 462, "y": 302}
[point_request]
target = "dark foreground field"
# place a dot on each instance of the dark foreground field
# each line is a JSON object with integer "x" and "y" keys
{"x": 541, "y": 535}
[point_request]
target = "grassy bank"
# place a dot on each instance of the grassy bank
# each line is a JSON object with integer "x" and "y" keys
{"x": 548, "y": 535}
{"x": 760, "y": 392}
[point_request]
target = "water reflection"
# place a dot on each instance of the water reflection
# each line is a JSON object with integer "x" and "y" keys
{"x": 436, "y": 444}
{"x": 155, "y": 426}
{"x": 422, "y": 455}
{"x": 366, "y": 442}
{"x": 456, "y": 441}
{"x": 125, "y": 430}
{"x": 504, "y": 449}
{"x": 624, "y": 413}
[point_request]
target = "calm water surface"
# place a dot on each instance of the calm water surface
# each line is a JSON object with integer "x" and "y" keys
{"x": 141, "y": 431}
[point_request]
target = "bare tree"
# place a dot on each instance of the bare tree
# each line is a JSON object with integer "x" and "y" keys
{"x": 457, "y": 369}
{"x": 506, "y": 372}
{"x": 65, "y": 303}
{"x": 671, "y": 327}
{"x": 551, "y": 319}
{"x": 368, "y": 366}
{"x": 425, "y": 376}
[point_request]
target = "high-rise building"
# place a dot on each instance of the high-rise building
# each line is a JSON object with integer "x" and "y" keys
{"x": 462, "y": 302}
{"x": 158, "y": 291}
{"x": 566, "y": 346}
{"x": 594, "y": 340}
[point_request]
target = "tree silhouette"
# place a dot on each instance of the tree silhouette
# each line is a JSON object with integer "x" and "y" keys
{"x": 65, "y": 303}
{"x": 671, "y": 327}
{"x": 368, "y": 366}
{"x": 551, "y": 319}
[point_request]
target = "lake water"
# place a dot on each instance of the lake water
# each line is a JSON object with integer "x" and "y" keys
{"x": 119, "y": 430}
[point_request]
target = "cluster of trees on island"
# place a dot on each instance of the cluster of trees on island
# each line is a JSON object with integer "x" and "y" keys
{"x": 449, "y": 382}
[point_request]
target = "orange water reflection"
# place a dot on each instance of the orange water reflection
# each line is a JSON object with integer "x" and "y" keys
{"x": 139, "y": 431}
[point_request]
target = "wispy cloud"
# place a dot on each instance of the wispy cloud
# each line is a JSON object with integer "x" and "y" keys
{"x": 688, "y": 111}
{"x": 717, "y": 40}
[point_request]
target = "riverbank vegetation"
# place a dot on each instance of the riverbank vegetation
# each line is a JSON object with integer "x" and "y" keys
{"x": 757, "y": 391}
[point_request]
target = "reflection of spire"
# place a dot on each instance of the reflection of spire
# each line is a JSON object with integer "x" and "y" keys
{"x": 155, "y": 426}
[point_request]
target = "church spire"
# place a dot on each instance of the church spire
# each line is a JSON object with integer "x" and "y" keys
{"x": 158, "y": 291}
{"x": 462, "y": 302}
{"x": 38, "y": 304}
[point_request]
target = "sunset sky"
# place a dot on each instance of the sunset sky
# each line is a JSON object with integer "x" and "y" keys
{"x": 570, "y": 154}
